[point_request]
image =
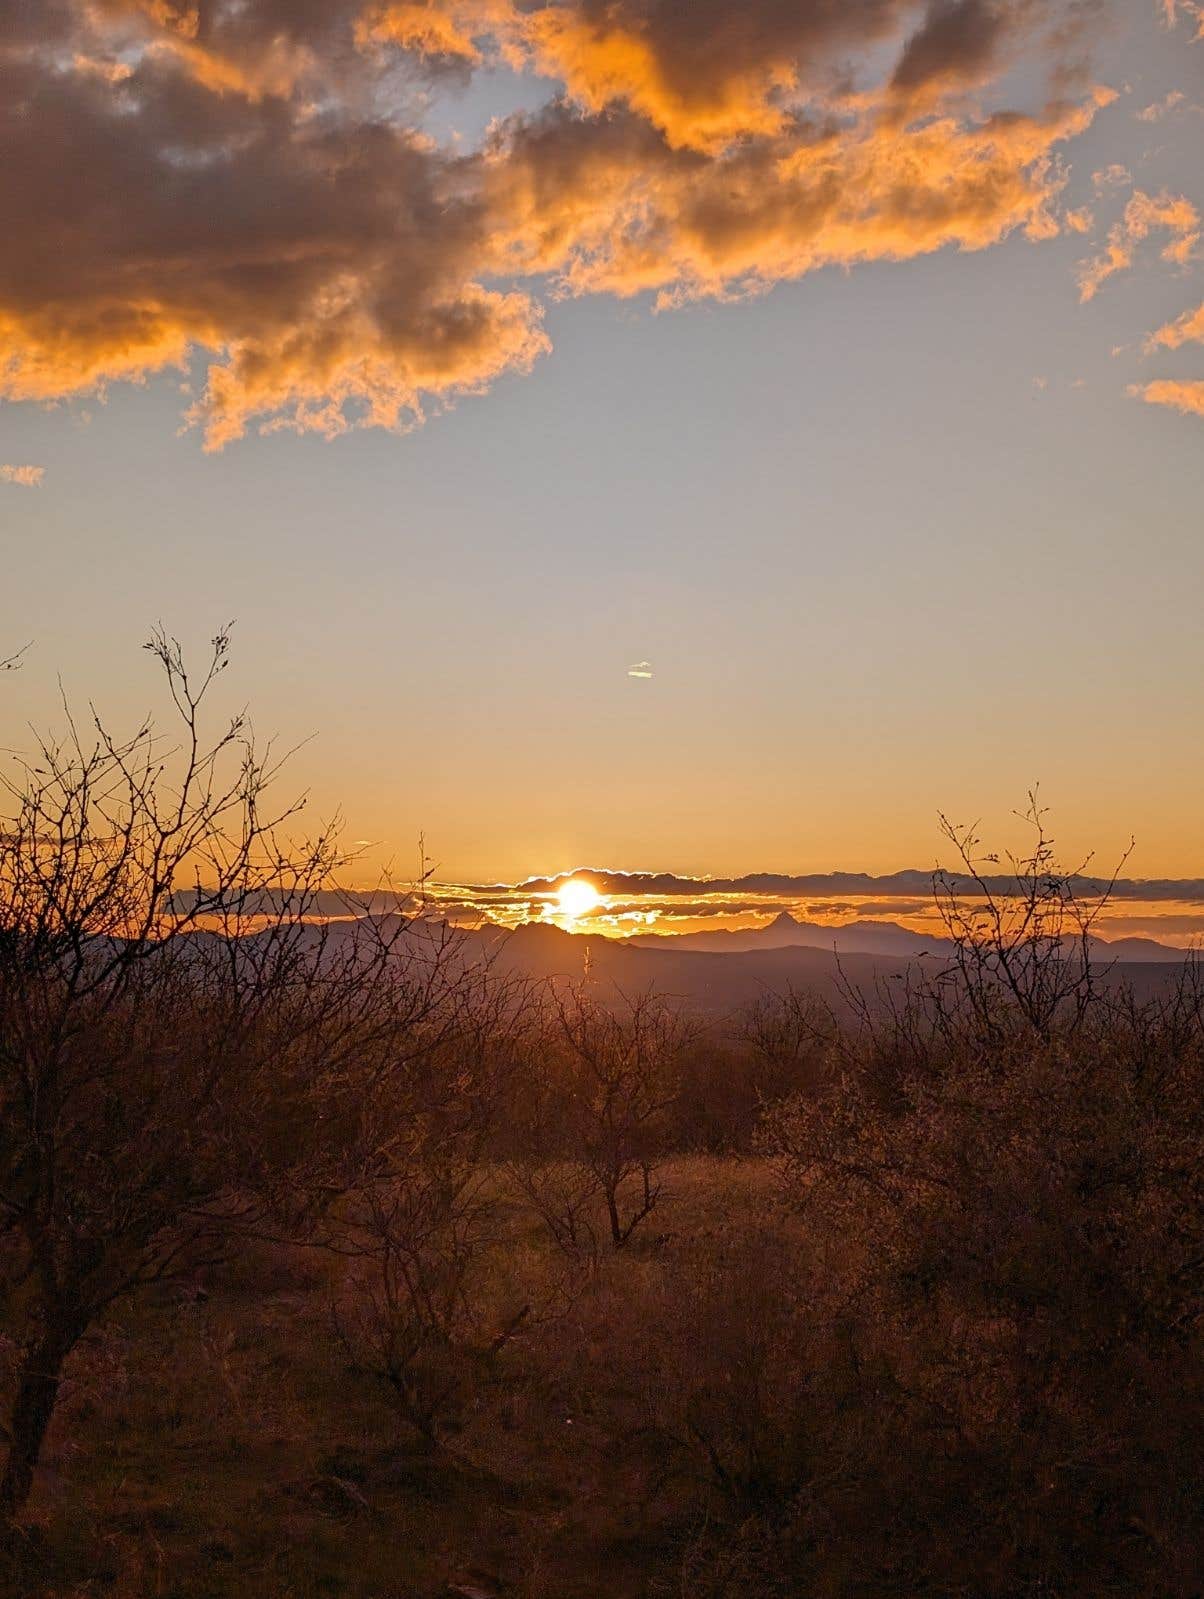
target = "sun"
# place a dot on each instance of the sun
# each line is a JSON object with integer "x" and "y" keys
{"x": 577, "y": 897}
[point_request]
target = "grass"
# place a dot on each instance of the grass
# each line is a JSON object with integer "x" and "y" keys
{"x": 218, "y": 1446}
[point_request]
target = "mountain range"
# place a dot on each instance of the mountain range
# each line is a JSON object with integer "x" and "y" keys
{"x": 719, "y": 973}
{"x": 868, "y": 937}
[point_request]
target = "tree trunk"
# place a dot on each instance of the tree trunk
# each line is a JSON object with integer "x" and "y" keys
{"x": 37, "y": 1391}
{"x": 610, "y": 1189}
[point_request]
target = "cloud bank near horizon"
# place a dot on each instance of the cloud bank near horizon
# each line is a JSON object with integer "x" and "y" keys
{"x": 908, "y": 884}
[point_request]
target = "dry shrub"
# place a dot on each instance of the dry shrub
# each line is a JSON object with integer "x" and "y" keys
{"x": 597, "y": 1124}
{"x": 431, "y": 1306}
{"x": 1025, "y": 1214}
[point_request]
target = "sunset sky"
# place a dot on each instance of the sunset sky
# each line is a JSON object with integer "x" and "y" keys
{"x": 684, "y": 436}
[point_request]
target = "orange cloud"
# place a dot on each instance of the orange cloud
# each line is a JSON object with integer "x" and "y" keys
{"x": 235, "y": 51}
{"x": 340, "y": 368}
{"x": 702, "y": 75}
{"x": 613, "y": 210}
{"x": 426, "y": 29}
{"x": 326, "y": 270}
{"x": 26, "y": 477}
{"x": 1173, "y": 212}
{"x": 1115, "y": 176}
{"x": 1161, "y": 108}
{"x": 1187, "y": 397}
{"x": 1143, "y": 214}
{"x": 1171, "y": 10}
{"x": 711, "y": 73}
{"x": 1187, "y": 329}
{"x": 601, "y": 63}
{"x": 239, "y": 187}
{"x": 1116, "y": 257}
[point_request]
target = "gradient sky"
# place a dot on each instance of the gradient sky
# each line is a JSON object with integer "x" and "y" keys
{"x": 796, "y": 379}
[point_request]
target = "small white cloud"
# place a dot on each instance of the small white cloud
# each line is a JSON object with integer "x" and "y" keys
{"x": 640, "y": 669}
{"x": 26, "y": 477}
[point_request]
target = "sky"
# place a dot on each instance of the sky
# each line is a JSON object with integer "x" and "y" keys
{"x": 703, "y": 438}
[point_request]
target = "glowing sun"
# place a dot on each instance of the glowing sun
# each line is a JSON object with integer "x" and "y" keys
{"x": 577, "y": 897}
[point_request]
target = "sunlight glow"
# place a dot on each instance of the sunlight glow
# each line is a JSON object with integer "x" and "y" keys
{"x": 577, "y": 897}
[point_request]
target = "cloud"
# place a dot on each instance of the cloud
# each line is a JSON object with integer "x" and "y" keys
{"x": 1143, "y": 215}
{"x": 711, "y": 73}
{"x": 611, "y": 208}
{"x": 640, "y": 669}
{"x": 1172, "y": 9}
{"x": 1161, "y": 108}
{"x": 326, "y": 265}
{"x": 958, "y": 38}
{"x": 1117, "y": 257}
{"x": 756, "y": 890}
{"x": 432, "y": 33}
{"x": 706, "y": 74}
{"x": 247, "y": 193}
{"x": 1186, "y": 396}
{"x": 1187, "y": 329}
{"x": 870, "y": 907}
{"x": 27, "y": 477}
{"x": 1111, "y": 177}
{"x": 893, "y": 907}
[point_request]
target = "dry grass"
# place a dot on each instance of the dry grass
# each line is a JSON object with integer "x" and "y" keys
{"x": 217, "y": 1444}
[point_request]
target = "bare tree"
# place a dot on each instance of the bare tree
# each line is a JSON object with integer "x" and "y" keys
{"x": 427, "y": 1307}
{"x": 1026, "y": 947}
{"x": 615, "y": 1075}
{"x": 563, "y": 1195}
{"x": 182, "y": 1051}
{"x": 790, "y": 1035}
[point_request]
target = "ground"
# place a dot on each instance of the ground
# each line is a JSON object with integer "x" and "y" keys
{"x": 218, "y": 1445}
